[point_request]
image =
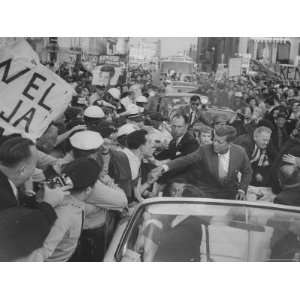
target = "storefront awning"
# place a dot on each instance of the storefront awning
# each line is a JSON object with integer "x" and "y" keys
{"x": 279, "y": 40}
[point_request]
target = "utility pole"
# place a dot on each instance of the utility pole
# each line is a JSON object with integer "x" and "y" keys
{"x": 271, "y": 60}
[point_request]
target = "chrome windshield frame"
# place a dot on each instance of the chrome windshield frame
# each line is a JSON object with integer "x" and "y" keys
{"x": 223, "y": 202}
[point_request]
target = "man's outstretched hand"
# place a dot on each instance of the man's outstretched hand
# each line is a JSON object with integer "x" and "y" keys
{"x": 156, "y": 173}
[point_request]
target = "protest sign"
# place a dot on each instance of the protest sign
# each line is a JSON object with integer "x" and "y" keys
{"x": 114, "y": 80}
{"x": 100, "y": 77}
{"x": 288, "y": 72}
{"x": 221, "y": 72}
{"x": 261, "y": 70}
{"x": 156, "y": 78}
{"x": 106, "y": 75}
{"x": 68, "y": 57}
{"x": 246, "y": 61}
{"x": 235, "y": 67}
{"x": 31, "y": 95}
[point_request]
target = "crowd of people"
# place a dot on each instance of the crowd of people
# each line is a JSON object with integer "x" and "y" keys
{"x": 63, "y": 195}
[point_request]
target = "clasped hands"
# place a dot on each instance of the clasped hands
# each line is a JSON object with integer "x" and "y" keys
{"x": 155, "y": 174}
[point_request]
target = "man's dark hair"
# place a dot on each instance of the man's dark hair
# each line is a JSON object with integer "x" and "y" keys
{"x": 83, "y": 172}
{"x": 125, "y": 94}
{"x": 79, "y": 153}
{"x": 226, "y": 130}
{"x": 289, "y": 175}
{"x": 105, "y": 129}
{"x": 249, "y": 99}
{"x": 92, "y": 121}
{"x": 15, "y": 150}
{"x": 122, "y": 140}
{"x": 167, "y": 189}
{"x": 195, "y": 98}
{"x": 136, "y": 139}
{"x": 243, "y": 109}
{"x": 72, "y": 112}
{"x": 179, "y": 115}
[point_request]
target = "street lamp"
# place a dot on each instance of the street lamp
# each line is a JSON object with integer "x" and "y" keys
{"x": 213, "y": 57}
{"x": 271, "y": 60}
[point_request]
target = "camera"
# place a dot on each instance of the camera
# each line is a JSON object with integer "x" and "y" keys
{"x": 59, "y": 181}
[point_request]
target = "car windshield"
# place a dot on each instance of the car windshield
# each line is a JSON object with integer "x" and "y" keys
{"x": 170, "y": 103}
{"x": 211, "y": 232}
{"x": 177, "y": 66}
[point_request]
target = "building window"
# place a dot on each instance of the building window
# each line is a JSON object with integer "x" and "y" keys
{"x": 283, "y": 53}
{"x": 250, "y": 48}
{"x": 260, "y": 50}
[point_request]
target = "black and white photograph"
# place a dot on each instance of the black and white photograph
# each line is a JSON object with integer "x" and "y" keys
{"x": 139, "y": 139}
{"x": 150, "y": 149}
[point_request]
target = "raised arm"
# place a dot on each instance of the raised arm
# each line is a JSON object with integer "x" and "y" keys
{"x": 185, "y": 161}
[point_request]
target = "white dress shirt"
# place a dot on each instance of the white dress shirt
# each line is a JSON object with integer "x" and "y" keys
{"x": 14, "y": 188}
{"x": 179, "y": 140}
{"x": 134, "y": 163}
{"x": 193, "y": 116}
{"x": 223, "y": 164}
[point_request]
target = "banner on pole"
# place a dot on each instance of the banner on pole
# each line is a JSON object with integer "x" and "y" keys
{"x": 31, "y": 95}
{"x": 288, "y": 72}
{"x": 221, "y": 72}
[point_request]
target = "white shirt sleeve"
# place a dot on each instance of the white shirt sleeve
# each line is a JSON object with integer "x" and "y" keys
{"x": 105, "y": 196}
{"x": 62, "y": 224}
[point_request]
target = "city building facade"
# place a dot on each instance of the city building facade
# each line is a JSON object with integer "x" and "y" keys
{"x": 212, "y": 51}
{"x": 144, "y": 52}
{"x": 272, "y": 50}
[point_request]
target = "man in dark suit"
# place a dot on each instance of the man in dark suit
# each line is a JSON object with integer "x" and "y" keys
{"x": 280, "y": 133}
{"x": 195, "y": 113}
{"x": 288, "y": 153}
{"x": 182, "y": 144}
{"x": 261, "y": 154}
{"x": 220, "y": 164}
{"x": 20, "y": 225}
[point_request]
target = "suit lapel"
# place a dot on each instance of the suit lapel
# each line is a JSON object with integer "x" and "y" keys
{"x": 214, "y": 163}
{"x": 172, "y": 144}
{"x": 6, "y": 185}
{"x": 183, "y": 140}
{"x": 231, "y": 161}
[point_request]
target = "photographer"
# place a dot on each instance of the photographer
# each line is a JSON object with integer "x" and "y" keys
{"x": 101, "y": 201}
{"x": 23, "y": 229}
{"x": 80, "y": 177}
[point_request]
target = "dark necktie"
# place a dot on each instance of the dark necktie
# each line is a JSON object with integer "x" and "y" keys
{"x": 279, "y": 138}
{"x": 192, "y": 117}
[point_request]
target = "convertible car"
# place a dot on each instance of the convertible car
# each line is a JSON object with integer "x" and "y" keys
{"x": 171, "y": 102}
{"x": 197, "y": 230}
